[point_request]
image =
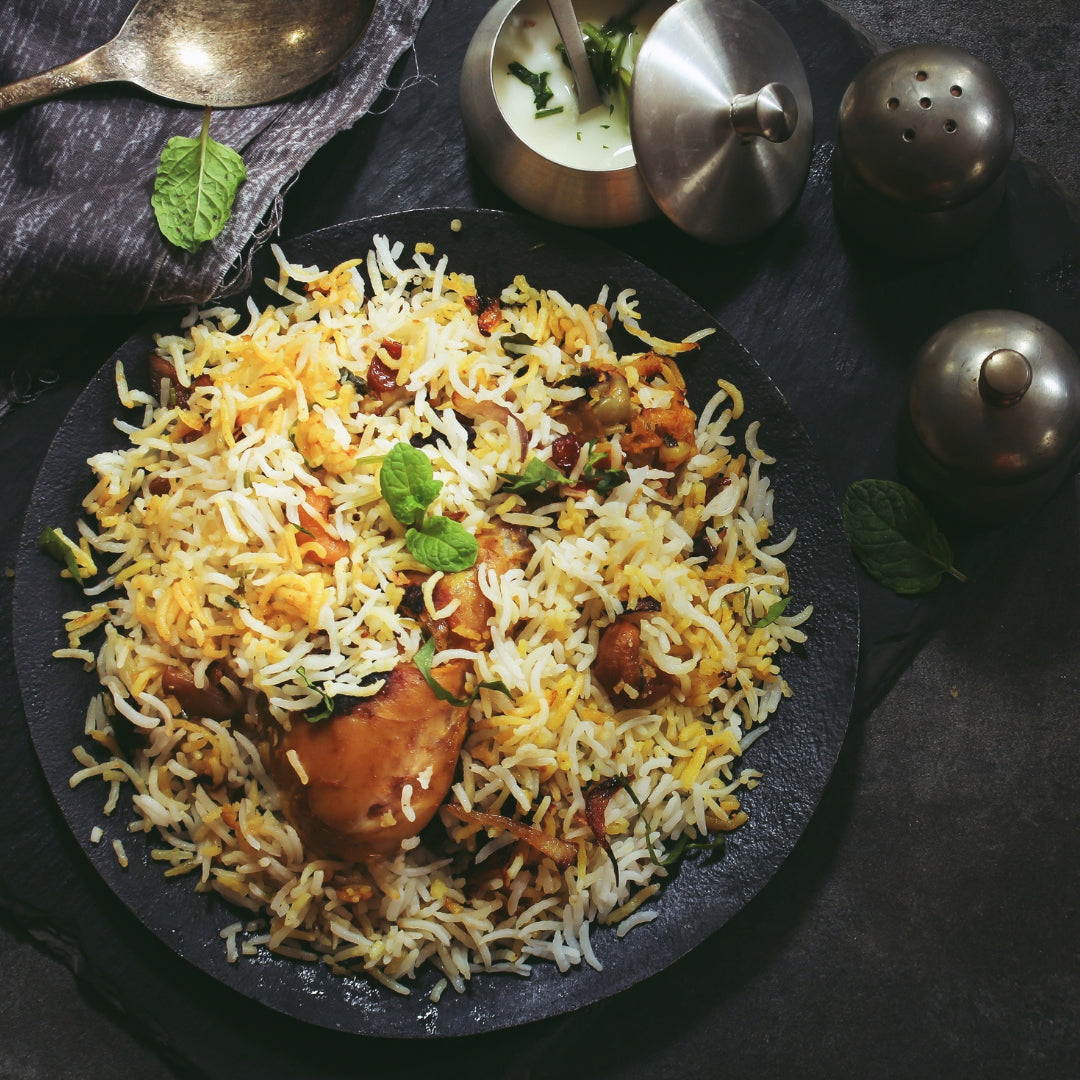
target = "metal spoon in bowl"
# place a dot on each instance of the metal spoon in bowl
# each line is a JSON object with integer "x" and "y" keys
{"x": 562, "y": 11}
{"x": 205, "y": 52}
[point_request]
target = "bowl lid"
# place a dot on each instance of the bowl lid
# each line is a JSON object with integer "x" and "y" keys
{"x": 721, "y": 118}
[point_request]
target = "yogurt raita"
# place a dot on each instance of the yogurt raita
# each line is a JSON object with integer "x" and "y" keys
{"x": 597, "y": 141}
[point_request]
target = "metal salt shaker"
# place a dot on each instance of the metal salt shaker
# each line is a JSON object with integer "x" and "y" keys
{"x": 924, "y": 135}
{"x": 993, "y": 415}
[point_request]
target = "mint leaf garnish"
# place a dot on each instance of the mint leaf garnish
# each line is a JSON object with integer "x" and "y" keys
{"x": 407, "y": 483}
{"x": 895, "y": 538}
{"x": 442, "y": 544}
{"x": 195, "y": 187}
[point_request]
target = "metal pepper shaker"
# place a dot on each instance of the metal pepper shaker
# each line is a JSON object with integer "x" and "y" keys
{"x": 992, "y": 424}
{"x": 924, "y": 135}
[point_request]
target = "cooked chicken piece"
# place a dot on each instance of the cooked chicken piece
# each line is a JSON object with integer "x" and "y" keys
{"x": 358, "y": 764}
{"x": 343, "y": 779}
{"x": 317, "y": 542}
{"x": 663, "y": 436}
{"x": 501, "y": 548}
{"x": 619, "y": 664}
{"x": 211, "y": 700}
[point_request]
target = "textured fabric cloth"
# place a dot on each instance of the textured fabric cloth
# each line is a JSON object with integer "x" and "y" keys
{"x": 76, "y": 173}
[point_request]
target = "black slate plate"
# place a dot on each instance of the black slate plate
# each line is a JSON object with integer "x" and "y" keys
{"x": 796, "y": 756}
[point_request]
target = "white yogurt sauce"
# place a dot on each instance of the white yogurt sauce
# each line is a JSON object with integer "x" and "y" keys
{"x": 598, "y": 141}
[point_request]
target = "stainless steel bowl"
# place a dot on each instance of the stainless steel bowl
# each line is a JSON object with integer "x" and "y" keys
{"x": 720, "y": 125}
{"x": 583, "y": 198}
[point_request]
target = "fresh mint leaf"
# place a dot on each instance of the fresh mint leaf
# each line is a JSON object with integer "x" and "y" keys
{"x": 442, "y": 544}
{"x": 422, "y": 659}
{"x": 895, "y": 538}
{"x": 536, "y": 475}
{"x": 195, "y": 187}
{"x": 407, "y": 483}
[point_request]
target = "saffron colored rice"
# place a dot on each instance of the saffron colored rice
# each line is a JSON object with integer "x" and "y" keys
{"x": 210, "y": 567}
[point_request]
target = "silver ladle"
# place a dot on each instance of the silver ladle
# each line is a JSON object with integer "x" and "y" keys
{"x": 206, "y": 52}
{"x": 566, "y": 21}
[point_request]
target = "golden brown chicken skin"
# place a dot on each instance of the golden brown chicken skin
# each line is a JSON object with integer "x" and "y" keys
{"x": 343, "y": 780}
{"x": 358, "y": 763}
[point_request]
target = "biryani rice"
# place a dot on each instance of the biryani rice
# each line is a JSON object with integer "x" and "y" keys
{"x": 194, "y": 530}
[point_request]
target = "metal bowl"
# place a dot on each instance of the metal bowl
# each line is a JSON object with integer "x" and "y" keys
{"x": 583, "y": 198}
{"x": 720, "y": 123}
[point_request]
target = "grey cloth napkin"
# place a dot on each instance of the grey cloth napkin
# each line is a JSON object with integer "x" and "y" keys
{"x": 77, "y": 231}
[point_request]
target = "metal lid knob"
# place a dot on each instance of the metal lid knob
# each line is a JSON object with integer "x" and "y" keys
{"x": 995, "y": 395}
{"x": 926, "y": 125}
{"x": 1004, "y": 377}
{"x": 772, "y": 113}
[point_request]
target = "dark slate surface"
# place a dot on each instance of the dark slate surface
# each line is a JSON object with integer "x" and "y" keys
{"x": 926, "y": 925}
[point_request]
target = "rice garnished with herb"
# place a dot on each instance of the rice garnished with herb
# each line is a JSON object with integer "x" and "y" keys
{"x": 432, "y": 630}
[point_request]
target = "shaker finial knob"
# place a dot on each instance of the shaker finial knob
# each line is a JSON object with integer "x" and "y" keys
{"x": 993, "y": 418}
{"x": 772, "y": 113}
{"x": 1004, "y": 377}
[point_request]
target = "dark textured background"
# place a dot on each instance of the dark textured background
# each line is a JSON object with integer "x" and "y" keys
{"x": 928, "y": 925}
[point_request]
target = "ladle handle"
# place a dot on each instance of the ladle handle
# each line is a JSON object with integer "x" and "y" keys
{"x": 566, "y": 22}
{"x": 96, "y": 66}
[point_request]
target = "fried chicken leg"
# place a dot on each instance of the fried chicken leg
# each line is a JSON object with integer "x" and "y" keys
{"x": 359, "y": 782}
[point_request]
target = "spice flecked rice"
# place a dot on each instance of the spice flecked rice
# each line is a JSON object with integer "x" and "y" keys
{"x": 192, "y": 553}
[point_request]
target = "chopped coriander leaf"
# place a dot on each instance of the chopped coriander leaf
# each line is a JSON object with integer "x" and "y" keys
{"x": 681, "y": 846}
{"x": 359, "y": 384}
{"x": 774, "y": 612}
{"x": 537, "y": 81}
{"x": 536, "y": 475}
{"x": 55, "y": 544}
{"x": 422, "y": 659}
{"x": 605, "y": 480}
{"x": 318, "y": 712}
